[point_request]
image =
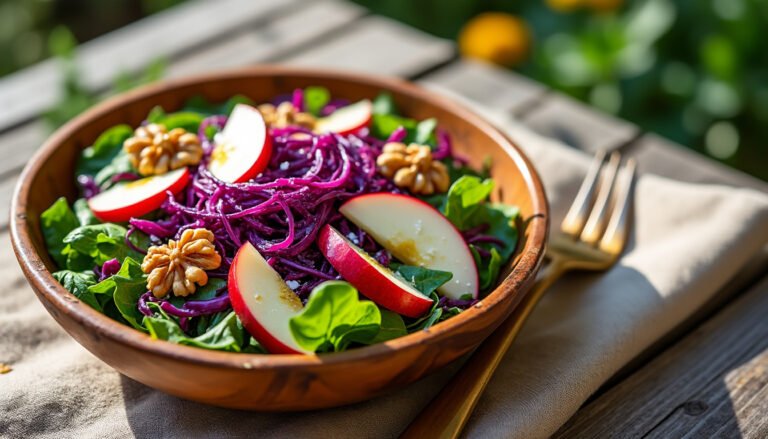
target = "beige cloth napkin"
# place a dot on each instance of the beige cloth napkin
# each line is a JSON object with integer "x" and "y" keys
{"x": 687, "y": 243}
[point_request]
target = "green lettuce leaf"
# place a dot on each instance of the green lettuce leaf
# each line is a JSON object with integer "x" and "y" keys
{"x": 125, "y": 287}
{"x": 77, "y": 283}
{"x": 227, "y": 334}
{"x": 424, "y": 279}
{"x": 315, "y": 98}
{"x": 334, "y": 318}
{"x": 56, "y": 222}
{"x": 98, "y": 156}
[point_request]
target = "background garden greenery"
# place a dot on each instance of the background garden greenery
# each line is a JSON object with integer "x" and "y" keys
{"x": 694, "y": 71}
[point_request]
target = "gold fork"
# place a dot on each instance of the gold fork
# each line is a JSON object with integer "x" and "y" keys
{"x": 589, "y": 239}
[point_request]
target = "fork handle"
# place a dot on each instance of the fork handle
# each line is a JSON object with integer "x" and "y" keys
{"x": 448, "y": 412}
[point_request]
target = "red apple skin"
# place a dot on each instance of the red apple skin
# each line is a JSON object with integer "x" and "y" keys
{"x": 408, "y": 199}
{"x": 261, "y": 163}
{"x": 357, "y": 128}
{"x": 364, "y": 123}
{"x": 366, "y": 278}
{"x": 144, "y": 207}
{"x": 259, "y": 332}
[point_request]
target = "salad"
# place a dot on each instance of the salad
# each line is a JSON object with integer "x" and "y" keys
{"x": 304, "y": 225}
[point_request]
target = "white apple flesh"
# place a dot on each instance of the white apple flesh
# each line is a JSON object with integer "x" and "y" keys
{"x": 416, "y": 234}
{"x": 263, "y": 302}
{"x": 243, "y": 147}
{"x": 137, "y": 198}
{"x": 346, "y": 120}
{"x": 372, "y": 279}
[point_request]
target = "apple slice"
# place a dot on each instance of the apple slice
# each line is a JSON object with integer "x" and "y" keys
{"x": 136, "y": 198}
{"x": 417, "y": 234}
{"x": 346, "y": 120}
{"x": 243, "y": 147}
{"x": 263, "y": 302}
{"x": 372, "y": 279}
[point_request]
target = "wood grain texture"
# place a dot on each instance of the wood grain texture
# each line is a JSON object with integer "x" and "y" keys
{"x": 578, "y": 125}
{"x": 29, "y": 92}
{"x": 18, "y": 145}
{"x": 378, "y": 46}
{"x": 656, "y": 155}
{"x": 711, "y": 384}
{"x": 490, "y": 86}
{"x": 272, "y": 40}
{"x": 277, "y": 382}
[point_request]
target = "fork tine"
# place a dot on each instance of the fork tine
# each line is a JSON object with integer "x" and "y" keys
{"x": 593, "y": 230}
{"x": 576, "y": 217}
{"x": 615, "y": 236}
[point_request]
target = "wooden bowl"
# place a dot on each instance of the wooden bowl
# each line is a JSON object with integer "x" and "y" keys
{"x": 276, "y": 382}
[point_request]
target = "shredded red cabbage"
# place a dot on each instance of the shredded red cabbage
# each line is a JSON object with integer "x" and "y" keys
{"x": 282, "y": 210}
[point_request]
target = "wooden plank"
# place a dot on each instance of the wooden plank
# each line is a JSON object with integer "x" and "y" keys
{"x": 285, "y": 33}
{"x": 490, "y": 86}
{"x": 656, "y": 155}
{"x": 713, "y": 383}
{"x": 18, "y": 145}
{"x": 6, "y": 192}
{"x": 29, "y": 92}
{"x": 272, "y": 40}
{"x": 578, "y": 125}
{"x": 379, "y": 46}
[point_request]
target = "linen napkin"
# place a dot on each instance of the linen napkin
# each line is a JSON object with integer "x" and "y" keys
{"x": 687, "y": 242}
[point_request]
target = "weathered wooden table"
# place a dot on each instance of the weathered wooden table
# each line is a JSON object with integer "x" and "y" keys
{"x": 708, "y": 378}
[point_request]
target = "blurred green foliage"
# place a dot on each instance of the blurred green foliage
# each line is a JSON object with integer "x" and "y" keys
{"x": 694, "y": 71}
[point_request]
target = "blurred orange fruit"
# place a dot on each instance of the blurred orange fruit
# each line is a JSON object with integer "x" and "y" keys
{"x": 495, "y": 37}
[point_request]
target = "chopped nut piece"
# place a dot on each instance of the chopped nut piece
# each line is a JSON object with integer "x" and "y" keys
{"x": 4, "y": 368}
{"x": 412, "y": 167}
{"x": 286, "y": 115}
{"x": 180, "y": 265}
{"x": 154, "y": 150}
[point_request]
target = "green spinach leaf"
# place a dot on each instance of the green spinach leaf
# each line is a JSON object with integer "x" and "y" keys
{"x": 125, "y": 287}
{"x": 425, "y": 132}
{"x": 56, "y": 222}
{"x": 384, "y": 104}
{"x": 226, "y": 335}
{"x": 84, "y": 214}
{"x": 77, "y": 283}
{"x": 465, "y": 198}
{"x": 108, "y": 145}
{"x": 315, "y": 98}
{"x": 101, "y": 242}
{"x": 334, "y": 318}
{"x": 392, "y": 326}
{"x": 424, "y": 279}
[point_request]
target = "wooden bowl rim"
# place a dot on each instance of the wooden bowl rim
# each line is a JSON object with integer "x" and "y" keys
{"x": 62, "y": 300}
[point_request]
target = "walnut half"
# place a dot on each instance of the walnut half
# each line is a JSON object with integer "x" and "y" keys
{"x": 154, "y": 150}
{"x": 180, "y": 265}
{"x": 285, "y": 115}
{"x": 412, "y": 167}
